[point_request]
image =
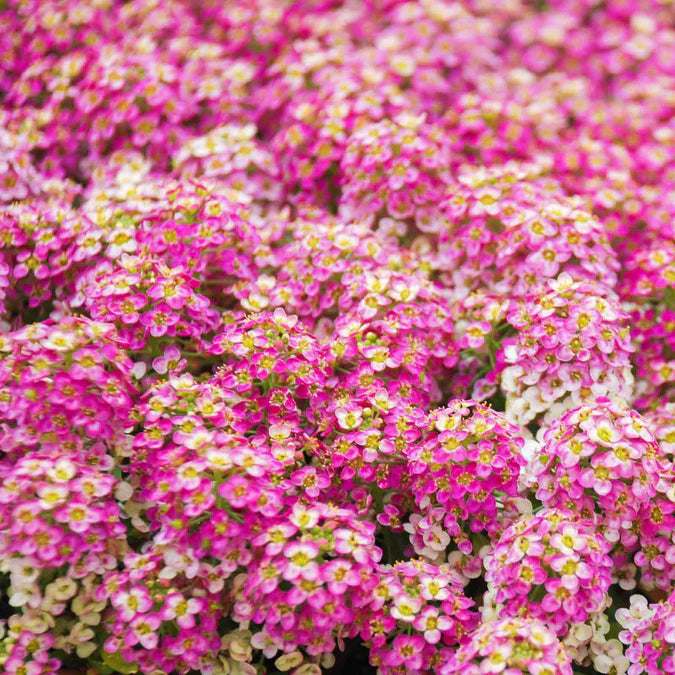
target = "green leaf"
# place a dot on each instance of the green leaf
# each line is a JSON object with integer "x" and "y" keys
{"x": 118, "y": 664}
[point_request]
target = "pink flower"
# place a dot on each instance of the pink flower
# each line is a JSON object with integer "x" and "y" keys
{"x": 406, "y": 650}
{"x": 432, "y": 624}
{"x": 406, "y": 608}
{"x": 301, "y": 561}
{"x": 136, "y": 601}
{"x": 238, "y": 491}
{"x": 143, "y": 630}
{"x": 170, "y": 362}
{"x": 160, "y": 320}
{"x": 182, "y": 610}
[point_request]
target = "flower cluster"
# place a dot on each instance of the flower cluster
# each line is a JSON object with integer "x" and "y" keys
{"x": 418, "y": 612}
{"x": 511, "y": 228}
{"x": 232, "y": 155}
{"x": 147, "y": 301}
{"x": 511, "y": 646}
{"x": 57, "y": 511}
{"x": 337, "y": 336}
{"x": 395, "y": 169}
{"x": 572, "y": 344}
{"x": 67, "y": 386}
{"x": 135, "y": 89}
{"x": 162, "y": 614}
{"x": 647, "y": 289}
{"x": 62, "y": 532}
{"x": 44, "y": 248}
{"x": 602, "y": 459}
{"x": 215, "y": 459}
{"x": 464, "y": 478}
{"x": 365, "y": 425}
{"x": 549, "y": 567}
{"x": 310, "y": 580}
{"x": 649, "y": 633}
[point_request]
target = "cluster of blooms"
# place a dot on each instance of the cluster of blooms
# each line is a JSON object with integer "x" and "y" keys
{"x": 311, "y": 577}
{"x": 192, "y": 226}
{"x": 139, "y": 88}
{"x": 337, "y": 335}
{"x": 549, "y": 567}
{"x": 572, "y": 344}
{"x": 231, "y": 154}
{"x": 418, "y": 613}
{"x": 328, "y": 268}
{"x": 365, "y": 425}
{"x": 548, "y": 351}
{"x": 43, "y": 249}
{"x": 363, "y": 64}
{"x": 57, "y": 511}
{"x": 648, "y": 287}
{"x": 145, "y": 298}
{"x": 67, "y": 386}
{"x": 396, "y": 169}
{"x": 649, "y": 633}
{"x": 464, "y": 476}
{"x": 320, "y": 120}
{"x": 511, "y": 115}
{"x": 162, "y": 612}
{"x": 67, "y": 389}
{"x": 204, "y": 446}
{"x": 511, "y": 228}
{"x": 510, "y": 646}
{"x": 61, "y": 532}
{"x": 603, "y": 460}
{"x": 661, "y": 421}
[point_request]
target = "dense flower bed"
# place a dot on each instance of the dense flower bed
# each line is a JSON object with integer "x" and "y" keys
{"x": 337, "y": 337}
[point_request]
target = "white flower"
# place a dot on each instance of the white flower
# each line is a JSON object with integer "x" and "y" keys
{"x": 279, "y": 432}
{"x": 349, "y": 418}
{"x": 61, "y": 589}
{"x": 123, "y": 491}
{"x": 610, "y": 658}
{"x": 255, "y": 302}
{"x": 517, "y": 411}
{"x": 21, "y": 572}
{"x": 62, "y": 471}
{"x": 436, "y": 538}
{"x": 60, "y": 341}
